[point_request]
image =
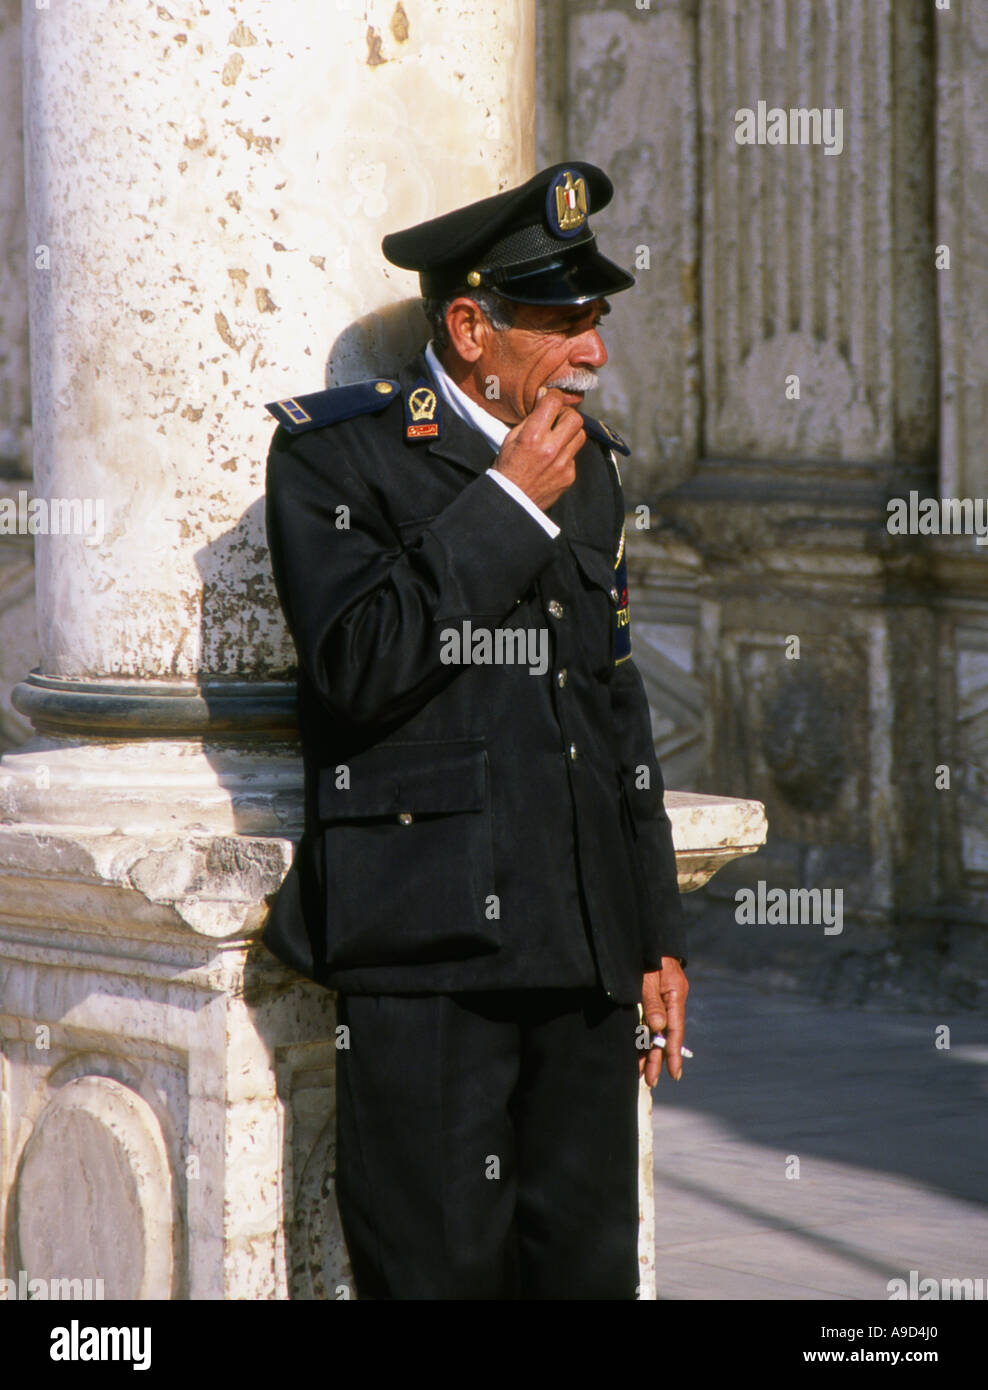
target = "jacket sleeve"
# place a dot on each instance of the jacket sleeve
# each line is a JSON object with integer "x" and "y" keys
{"x": 365, "y": 613}
{"x": 665, "y": 930}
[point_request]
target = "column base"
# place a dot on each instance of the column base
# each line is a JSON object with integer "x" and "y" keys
{"x": 154, "y": 785}
{"x": 169, "y": 1114}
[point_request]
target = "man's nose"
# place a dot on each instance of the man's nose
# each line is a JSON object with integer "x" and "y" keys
{"x": 589, "y": 350}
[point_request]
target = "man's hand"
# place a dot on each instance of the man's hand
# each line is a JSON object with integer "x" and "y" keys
{"x": 664, "y": 1008}
{"x": 538, "y": 455}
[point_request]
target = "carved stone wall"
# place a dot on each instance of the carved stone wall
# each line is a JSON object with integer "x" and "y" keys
{"x": 814, "y": 262}
{"x": 168, "y": 1102}
{"x": 962, "y": 576}
{"x": 797, "y": 351}
{"x": 617, "y": 86}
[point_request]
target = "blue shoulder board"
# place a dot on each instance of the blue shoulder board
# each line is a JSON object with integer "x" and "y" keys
{"x": 596, "y": 429}
{"x": 300, "y": 413}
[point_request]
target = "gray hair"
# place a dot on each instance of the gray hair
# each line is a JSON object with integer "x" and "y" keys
{"x": 498, "y": 311}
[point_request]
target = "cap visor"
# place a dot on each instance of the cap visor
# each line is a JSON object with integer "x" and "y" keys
{"x": 568, "y": 280}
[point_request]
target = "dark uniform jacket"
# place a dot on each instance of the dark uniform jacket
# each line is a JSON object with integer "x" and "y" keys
{"x": 468, "y": 826}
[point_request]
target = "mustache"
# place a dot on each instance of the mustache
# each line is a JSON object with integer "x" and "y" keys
{"x": 576, "y": 379}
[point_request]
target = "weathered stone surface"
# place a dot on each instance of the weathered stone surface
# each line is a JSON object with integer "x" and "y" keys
{"x": 93, "y": 1198}
{"x": 961, "y": 213}
{"x": 710, "y": 831}
{"x": 232, "y": 251}
{"x": 829, "y": 268}
{"x": 169, "y": 1070}
{"x": 601, "y": 99}
{"x": 154, "y": 784}
{"x": 15, "y": 374}
{"x": 802, "y": 272}
{"x": 646, "y": 1196}
{"x": 18, "y": 635}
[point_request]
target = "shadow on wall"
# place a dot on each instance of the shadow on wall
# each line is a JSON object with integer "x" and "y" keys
{"x": 239, "y": 601}
{"x": 378, "y": 343}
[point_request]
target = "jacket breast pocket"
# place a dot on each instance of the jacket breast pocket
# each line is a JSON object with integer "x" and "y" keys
{"x": 407, "y": 833}
{"x": 599, "y": 608}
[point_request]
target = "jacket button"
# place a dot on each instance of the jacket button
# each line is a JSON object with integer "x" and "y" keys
{"x": 614, "y": 595}
{"x": 405, "y": 818}
{"x": 572, "y": 753}
{"x": 561, "y": 677}
{"x": 555, "y": 608}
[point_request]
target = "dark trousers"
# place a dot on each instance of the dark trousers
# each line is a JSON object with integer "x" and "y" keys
{"x": 487, "y": 1145}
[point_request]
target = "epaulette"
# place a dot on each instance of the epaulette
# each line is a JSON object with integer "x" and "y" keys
{"x": 604, "y": 434}
{"x": 300, "y": 413}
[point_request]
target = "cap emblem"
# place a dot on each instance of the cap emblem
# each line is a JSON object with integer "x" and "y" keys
{"x": 567, "y": 204}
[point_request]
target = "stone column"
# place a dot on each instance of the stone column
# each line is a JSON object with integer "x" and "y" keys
{"x": 209, "y": 193}
{"x": 17, "y": 627}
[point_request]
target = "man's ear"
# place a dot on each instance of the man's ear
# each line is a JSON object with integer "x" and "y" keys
{"x": 468, "y": 329}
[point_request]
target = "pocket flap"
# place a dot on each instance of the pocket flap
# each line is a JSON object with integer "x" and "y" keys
{"x": 596, "y": 564}
{"x": 420, "y": 778}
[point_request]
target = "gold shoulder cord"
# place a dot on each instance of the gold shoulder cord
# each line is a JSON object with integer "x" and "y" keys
{"x": 620, "y": 554}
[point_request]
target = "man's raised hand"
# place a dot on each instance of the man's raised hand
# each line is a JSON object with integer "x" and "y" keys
{"x": 539, "y": 454}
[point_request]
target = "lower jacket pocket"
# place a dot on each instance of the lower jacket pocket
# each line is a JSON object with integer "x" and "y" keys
{"x": 407, "y": 844}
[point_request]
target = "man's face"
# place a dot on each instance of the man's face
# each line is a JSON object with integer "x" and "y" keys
{"x": 547, "y": 346}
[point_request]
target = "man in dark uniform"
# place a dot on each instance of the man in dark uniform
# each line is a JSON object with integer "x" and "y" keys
{"x": 487, "y": 875}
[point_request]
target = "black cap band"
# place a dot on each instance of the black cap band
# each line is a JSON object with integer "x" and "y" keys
{"x": 532, "y": 244}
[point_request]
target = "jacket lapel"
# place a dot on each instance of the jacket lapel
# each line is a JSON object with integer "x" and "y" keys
{"x": 458, "y": 442}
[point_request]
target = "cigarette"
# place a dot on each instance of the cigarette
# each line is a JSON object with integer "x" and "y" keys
{"x": 659, "y": 1041}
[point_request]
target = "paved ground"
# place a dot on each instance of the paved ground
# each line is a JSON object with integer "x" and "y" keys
{"x": 891, "y": 1135}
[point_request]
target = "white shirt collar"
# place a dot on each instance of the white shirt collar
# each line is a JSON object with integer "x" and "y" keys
{"x": 493, "y": 429}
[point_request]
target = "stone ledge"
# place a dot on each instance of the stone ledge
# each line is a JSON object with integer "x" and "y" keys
{"x": 217, "y": 886}
{"x": 709, "y": 831}
{"x": 213, "y": 885}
